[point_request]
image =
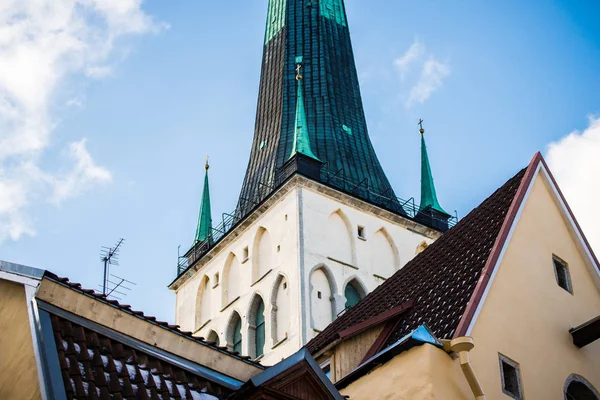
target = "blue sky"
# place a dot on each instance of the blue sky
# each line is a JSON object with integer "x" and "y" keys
{"x": 130, "y": 116}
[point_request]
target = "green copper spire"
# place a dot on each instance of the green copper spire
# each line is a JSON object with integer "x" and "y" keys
{"x": 428, "y": 195}
{"x": 204, "y": 230}
{"x": 301, "y": 138}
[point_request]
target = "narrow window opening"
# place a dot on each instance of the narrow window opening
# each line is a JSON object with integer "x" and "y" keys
{"x": 237, "y": 336}
{"x": 361, "y": 232}
{"x": 563, "y": 277}
{"x": 259, "y": 338}
{"x": 216, "y": 280}
{"x": 286, "y": 217}
{"x": 319, "y": 295}
{"x": 511, "y": 378}
{"x": 284, "y": 285}
{"x": 352, "y": 295}
{"x": 245, "y": 253}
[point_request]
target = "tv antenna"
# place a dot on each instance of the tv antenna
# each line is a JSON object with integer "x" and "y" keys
{"x": 110, "y": 256}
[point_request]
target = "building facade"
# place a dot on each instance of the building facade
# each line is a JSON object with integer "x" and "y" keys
{"x": 317, "y": 226}
{"x": 283, "y": 263}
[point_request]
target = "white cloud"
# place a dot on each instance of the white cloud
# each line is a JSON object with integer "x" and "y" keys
{"x": 84, "y": 173}
{"x": 412, "y": 55}
{"x": 428, "y": 71}
{"x": 41, "y": 43}
{"x": 432, "y": 77}
{"x": 575, "y": 164}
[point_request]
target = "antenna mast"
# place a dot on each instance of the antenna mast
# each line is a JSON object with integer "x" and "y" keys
{"x": 109, "y": 256}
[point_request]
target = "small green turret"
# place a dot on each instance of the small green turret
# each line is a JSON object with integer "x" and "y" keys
{"x": 428, "y": 195}
{"x": 301, "y": 138}
{"x": 204, "y": 230}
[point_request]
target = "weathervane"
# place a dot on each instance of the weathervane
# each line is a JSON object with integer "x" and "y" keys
{"x": 422, "y": 131}
{"x": 298, "y": 75}
{"x": 206, "y": 166}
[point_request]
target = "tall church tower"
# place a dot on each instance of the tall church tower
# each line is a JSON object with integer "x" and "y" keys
{"x": 314, "y": 36}
{"x": 317, "y": 225}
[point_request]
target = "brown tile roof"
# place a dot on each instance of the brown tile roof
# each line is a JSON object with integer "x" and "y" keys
{"x": 440, "y": 280}
{"x": 94, "y": 366}
{"x": 140, "y": 314}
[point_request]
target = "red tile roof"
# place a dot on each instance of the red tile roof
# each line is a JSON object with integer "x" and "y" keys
{"x": 441, "y": 280}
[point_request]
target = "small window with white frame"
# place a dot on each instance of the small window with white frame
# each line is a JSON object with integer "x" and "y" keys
{"x": 510, "y": 376}
{"x": 562, "y": 274}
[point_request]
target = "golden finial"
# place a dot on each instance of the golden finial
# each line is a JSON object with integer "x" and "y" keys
{"x": 298, "y": 75}
{"x": 422, "y": 131}
{"x": 206, "y": 166}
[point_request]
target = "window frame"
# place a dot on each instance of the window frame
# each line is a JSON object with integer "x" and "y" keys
{"x": 515, "y": 365}
{"x": 563, "y": 264}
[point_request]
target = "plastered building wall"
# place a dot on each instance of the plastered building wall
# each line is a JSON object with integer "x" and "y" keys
{"x": 424, "y": 372}
{"x": 298, "y": 256}
{"x": 19, "y": 379}
{"x": 526, "y": 316}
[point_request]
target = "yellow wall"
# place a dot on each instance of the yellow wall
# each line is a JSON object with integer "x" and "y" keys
{"x": 18, "y": 377}
{"x": 425, "y": 373}
{"x": 527, "y": 316}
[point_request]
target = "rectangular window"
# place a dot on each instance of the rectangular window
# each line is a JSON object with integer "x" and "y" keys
{"x": 511, "y": 378}
{"x": 361, "y": 232}
{"x": 563, "y": 277}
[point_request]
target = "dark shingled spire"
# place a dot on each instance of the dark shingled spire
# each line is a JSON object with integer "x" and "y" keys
{"x": 314, "y": 34}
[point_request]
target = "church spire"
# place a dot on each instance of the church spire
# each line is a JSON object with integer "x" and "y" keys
{"x": 428, "y": 195}
{"x": 320, "y": 114}
{"x": 204, "y": 230}
{"x": 301, "y": 144}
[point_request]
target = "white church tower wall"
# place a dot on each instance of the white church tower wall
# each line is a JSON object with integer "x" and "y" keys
{"x": 297, "y": 258}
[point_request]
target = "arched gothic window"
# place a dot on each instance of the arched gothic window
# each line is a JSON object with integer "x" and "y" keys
{"x": 384, "y": 254}
{"x": 256, "y": 328}
{"x": 280, "y": 310}
{"x": 203, "y": 302}
{"x": 234, "y": 333}
{"x": 340, "y": 240}
{"x": 259, "y": 339}
{"x": 262, "y": 254}
{"x": 578, "y": 388}
{"x": 322, "y": 301}
{"x": 352, "y": 295}
{"x": 232, "y": 280}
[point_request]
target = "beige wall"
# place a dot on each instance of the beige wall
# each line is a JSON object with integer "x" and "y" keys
{"x": 349, "y": 354}
{"x": 18, "y": 377}
{"x": 526, "y": 315}
{"x": 425, "y": 373}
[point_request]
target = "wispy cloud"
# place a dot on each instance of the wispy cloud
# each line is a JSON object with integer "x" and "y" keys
{"x": 575, "y": 163}
{"x": 432, "y": 77}
{"x": 41, "y": 43}
{"x": 429, "y": 72}
{"x": 412, "y": 55}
